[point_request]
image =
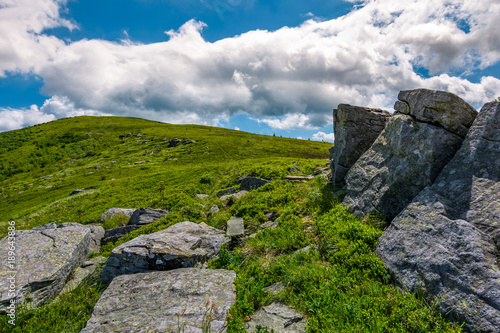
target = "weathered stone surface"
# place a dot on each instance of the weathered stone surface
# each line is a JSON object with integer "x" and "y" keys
{"x": 202, "y": 196}
{"x": 235, "y": 227}
{"x": 355, "y": 128}
{"x": 406, "y": 157}
{"x": 269, "y": 224}
{"x": 144, "y": 216}
{"x": 80, "y": 190}
{"x": 278, "y": 317}
{"x": 275, "y": 288}
{"x": 227, "y": 191}
{"x": 112, "y": 212}
{"x": 251, "y": 183}
{"x": 112, "y": 235}
{"x": 86, "y": 272}
{"x": 214, "y": 209}
{"x": 150, "y": 302}
{"x": 298, "y": 179}
{"x": 184, "y": 244}
{"x": 236, "y": 195}
{"x": 294, "y": 169}
{"x": 45, "y": 257}
{"x": 437, "y": 107}
{"x": 447, "y": 240}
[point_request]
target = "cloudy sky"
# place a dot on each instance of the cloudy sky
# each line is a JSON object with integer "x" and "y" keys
{"x": 263, "y": 66}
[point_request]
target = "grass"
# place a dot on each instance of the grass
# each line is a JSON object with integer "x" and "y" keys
{"x": 340, "y": 285}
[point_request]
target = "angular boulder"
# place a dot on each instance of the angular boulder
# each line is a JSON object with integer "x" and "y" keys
{"x": 112, "y": 212}
{"x": 278, "y": 317}
{"x": 151, "y": 302}
{"x": 447, "y": 240}
{"x": 406, "y": 157}
{"x": 182, "y": 245}
{"x": 355, "y": 128}
{"x": 144, "y": 216}
{"x": 45, "y": 256}
{"x": 251, "y": 183}
{"x": 235, "y": 227}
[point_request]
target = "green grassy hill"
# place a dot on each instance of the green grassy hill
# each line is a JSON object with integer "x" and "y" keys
{"x": 340, "y": 284}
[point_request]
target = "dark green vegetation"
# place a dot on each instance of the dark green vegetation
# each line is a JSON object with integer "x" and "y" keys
{"x": 340, "y": 284}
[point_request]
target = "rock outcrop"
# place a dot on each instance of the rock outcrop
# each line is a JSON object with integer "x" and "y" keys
{"x": 447, "y": 240}
{"x": 46, "y": 256}
{"x": 112, "y": 212}
{"x": 144, "y": 216}
{"x": 150, "y": 302}
{"x": 409, "y": 154}
{"x": 278, "y": 317}
{"x": 355, "y": 128}
{"x": 183, "y": 245}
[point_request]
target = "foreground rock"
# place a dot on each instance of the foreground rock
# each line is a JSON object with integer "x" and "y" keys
{"x": 408, "y": 155}
{"x": 45, "y": 257}
{"x": 144, "y": 216}
{"x": 277, "y": 317}
{"x": 447, "y": 240}
{"x": 86, "y": 272}
{"x": 150, "y": 302}
{"x": 184, "y": 244}
{"x": 112, "y": 212}
{"x": 112, "y": 235}
{"x": 235, "y": 227}
{"x": 355, "y": 128}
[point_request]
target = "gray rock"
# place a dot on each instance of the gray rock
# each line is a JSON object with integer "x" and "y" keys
{"x": 269, "y": 224}
{"x": 235, "y": 227}
{"x": 174, "y": 142}
{"x": 138, "y": 162}
{"x": 112, "y": 212}
{"x": 236, "y": 195}
{"x": 45, "y": 256}
{"x": 112, "y": 235}
{"x": 251, "y": 183}
{"x": 144, "y": 216}
{"x": 227, "y": 191}
{"x": 436, "y": 107}
{"x": 87, "y": 271}
{"x": 446, "y": 241}
{"x": 294, "y": 169}
{"x": 184, "y": 244}
{"x": 406, "y": 157}
{"x": 214, "y": 209}
{"x": 355, "y": 128}
{"x": 270, "y": 215}
{"x": 278, "y": 317}
{"x": 298, "y": 179}
{"x": 275, "y": 288}
{"x": 150, "y": 302}
{"x": 202, "y": 196}
{"x": 80, "y": 190}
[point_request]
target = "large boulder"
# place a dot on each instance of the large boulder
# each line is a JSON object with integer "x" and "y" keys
{"x": 355, "y": 128}
{"x": 45, "y": 256}
{"x": 406, "y": 157}
{"x": 143, "y": 216}
{"x": 184, "y": 244}
{"x": 164, "y": 302}
{"x": 112, "y": 212}
{"x": 447, "y": 240}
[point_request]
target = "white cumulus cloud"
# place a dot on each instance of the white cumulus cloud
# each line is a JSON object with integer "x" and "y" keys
{"x": 16, "y": 118}
{"x": 322, "y": 136}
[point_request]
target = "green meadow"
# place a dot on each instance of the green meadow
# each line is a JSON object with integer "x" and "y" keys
{"x": 340, "y": 284}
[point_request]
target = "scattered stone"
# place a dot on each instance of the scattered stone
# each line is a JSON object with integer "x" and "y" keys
{"x": 97, "y": 168}
{"x": 112, "y": 212}
{"x": 278, "y": 317}
{"x": 86, "y": 272}
{"x": 275, "y": 288}
{"x": 144, "y": 216}
{"x": 150, "y": 302}
{"x": 172, "y": 159}
{"x": 174, "y": 143}
{"x": 320, "y": 171}
{"x": 447, "y": 240}
{"x": 45, "y": 256}
{"x": 227, "y": 191}
{"x": 112, "y": 235}
{"x": 202, "y": 196}
{"x": 235, "y": 227}
{"x": 184, "y": 244}
{"x": 355, "y": 128}
{"x": 239, "y": 194}
{"x": 406, "y": 157}
{"x": 294, "y": 169}
{"x": 20, "y": 192}
{"x": 214, "y": 209}
{"x": 269, "y": 224}
{"x": 298, "y": 179}
{"x": 46, "y": 177}
{"x": 80, "y": 190}
{"x": 306, "y": 249}
{"x": 251, "y": 183}
{"x": 187, "y": 142}
{"x": 270, "y": 215}
{"x": 138, "y": 162}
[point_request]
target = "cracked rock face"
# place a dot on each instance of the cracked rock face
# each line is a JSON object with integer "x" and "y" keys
{"x": 143, "y": 216}
{"x": 447, "y": 240}
{"x": 182, "y": 245}
{"x": 408, "y": 155}
{"x": 355, "y": 128}
{"x": 278, "y": 317}
{"x": 150, "y": 302}
{"x": 45, "y": 256}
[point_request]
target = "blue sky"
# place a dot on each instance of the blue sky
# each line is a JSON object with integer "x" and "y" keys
{"x": 259, "y": 66}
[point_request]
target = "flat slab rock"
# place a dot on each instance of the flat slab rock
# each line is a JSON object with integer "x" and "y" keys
{"x": 279, "y": 317}
{"x": 46, "y": 256}
{"x": 447, "y": 240}
{"x": 182, "y": 245}
{"x": 235, "y": 227}
{"x": 150, "y": 302}
{"x": 143, "y": 216}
